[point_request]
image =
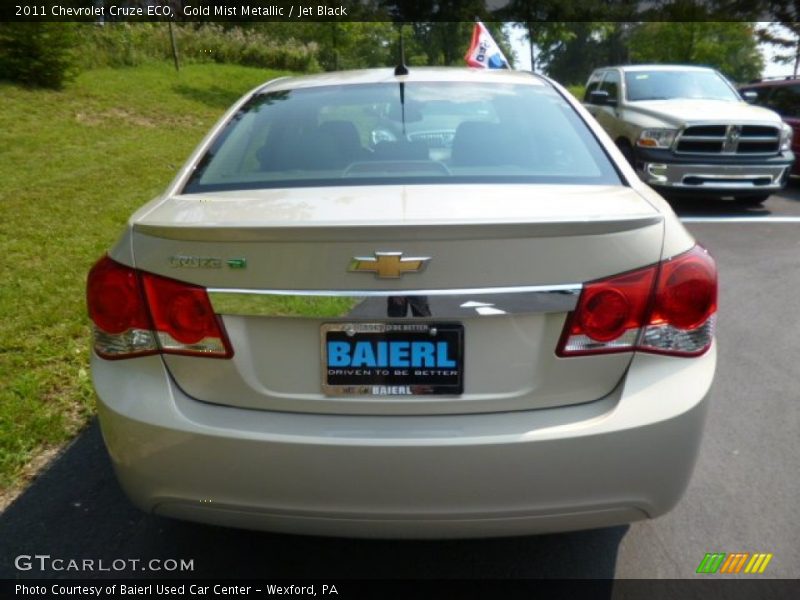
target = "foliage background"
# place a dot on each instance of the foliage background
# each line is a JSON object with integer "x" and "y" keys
{"x": 50, "y": 54}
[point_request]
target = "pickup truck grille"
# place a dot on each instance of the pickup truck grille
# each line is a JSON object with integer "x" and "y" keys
{"x": 743, "y": 140}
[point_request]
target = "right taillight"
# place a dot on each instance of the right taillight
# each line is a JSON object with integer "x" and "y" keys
{"x": 136, "y": 314}
{"x": 684, "y": 310}
{"x": 668, "y": 308}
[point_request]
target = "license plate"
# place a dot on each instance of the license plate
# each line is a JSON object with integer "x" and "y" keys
{"x": 392, "y": 359}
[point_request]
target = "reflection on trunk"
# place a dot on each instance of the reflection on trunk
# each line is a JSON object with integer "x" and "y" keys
{"x": 397, "y": 306}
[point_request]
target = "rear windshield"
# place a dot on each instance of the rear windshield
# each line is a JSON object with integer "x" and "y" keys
{"x": 669, "y": 85}
{"x": 390, "y": 133}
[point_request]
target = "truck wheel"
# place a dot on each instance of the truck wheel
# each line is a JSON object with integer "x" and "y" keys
{"x": 625, "y": 147}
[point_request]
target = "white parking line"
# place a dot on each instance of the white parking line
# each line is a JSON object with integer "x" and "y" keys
{"x": 740, "y": 219}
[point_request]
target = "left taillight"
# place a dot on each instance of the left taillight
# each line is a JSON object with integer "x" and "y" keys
{"x": 136, "y": 314}
{"x": 117, "y": 307}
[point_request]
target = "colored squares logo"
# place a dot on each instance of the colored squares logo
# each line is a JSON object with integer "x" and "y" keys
{"x": 733, "y": 563}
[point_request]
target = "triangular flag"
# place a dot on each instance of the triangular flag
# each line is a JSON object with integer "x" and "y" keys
{"x": 483, "y": 50}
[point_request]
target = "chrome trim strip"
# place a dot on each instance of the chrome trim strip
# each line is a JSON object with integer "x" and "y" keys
{"x": 436, "y": 303}
{"x": 726, "y": 154}
{"x": 674, "y": 174}
{"x": 561, "y": 288}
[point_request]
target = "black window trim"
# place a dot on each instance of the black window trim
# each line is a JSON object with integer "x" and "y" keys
{"x": 603, "y": 73}
{"x": 619, "y": 82}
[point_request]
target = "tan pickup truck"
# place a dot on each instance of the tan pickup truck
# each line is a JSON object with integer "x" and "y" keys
{"x": 687, "y": 131}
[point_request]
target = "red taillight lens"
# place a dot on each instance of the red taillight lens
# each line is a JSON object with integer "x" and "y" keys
{"x": 687, "y": 290}
{"x": 138, "y": 313}
{"x": 114, "y": 298}
{"x": 604, "y": 315}
{"x": 668, "y": 308}
{"x": 184, "y": 319}
{"x": 609, "y": 314}
{"x": 684, "y": 312}
{"x": 118, "y": 310}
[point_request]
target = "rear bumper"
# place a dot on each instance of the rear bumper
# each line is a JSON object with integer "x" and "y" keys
{"x": 713, "y": 175}
{"x": 625, "y": 457}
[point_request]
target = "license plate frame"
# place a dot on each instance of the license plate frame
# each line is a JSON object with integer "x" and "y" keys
{"x": 383, "y": 374}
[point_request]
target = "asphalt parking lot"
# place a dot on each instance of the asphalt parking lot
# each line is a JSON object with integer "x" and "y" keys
{"x": 742, "y": 498}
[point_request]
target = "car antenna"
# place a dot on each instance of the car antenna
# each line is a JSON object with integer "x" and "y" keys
{"x": 402, "y": 69}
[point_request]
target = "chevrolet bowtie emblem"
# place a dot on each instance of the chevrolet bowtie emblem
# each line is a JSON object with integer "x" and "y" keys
{"x": 388, "y": 265}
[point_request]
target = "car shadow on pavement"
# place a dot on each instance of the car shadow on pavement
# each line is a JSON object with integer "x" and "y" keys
{"x": 76, "y": 510}
{"x": 690, "y": 206}
{"x": 697, "y": 207}
{"x": 792, "y": 188}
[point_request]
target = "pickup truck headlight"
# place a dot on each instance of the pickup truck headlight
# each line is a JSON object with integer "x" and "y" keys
{"x": 656, "y": 138}
{"x": 787, "y": 133}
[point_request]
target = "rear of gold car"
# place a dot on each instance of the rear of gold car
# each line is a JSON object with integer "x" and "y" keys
{"x": 474, "y": 356}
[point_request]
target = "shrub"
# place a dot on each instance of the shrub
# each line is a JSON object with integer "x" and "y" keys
{"x": 131, "y": 44}
{"x": 38, "y": 54}
{"x": 577, "y": 91}
{"x": 122, "y": 44}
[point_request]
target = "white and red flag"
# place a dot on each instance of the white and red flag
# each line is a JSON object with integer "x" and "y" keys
{"x": 483, "y": 51}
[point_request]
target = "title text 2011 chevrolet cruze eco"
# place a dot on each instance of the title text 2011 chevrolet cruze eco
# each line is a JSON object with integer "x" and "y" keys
{"x": 428, "y": 304}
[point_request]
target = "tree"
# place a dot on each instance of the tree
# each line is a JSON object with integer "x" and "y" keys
{"x": 354, "y": 45}
{"x": 731, "y": 47}
{"x": 786, "y": 37}
{"x": 575, "y": 36}
{"x": 551, "y": 25}
{"x": 38, "y": 54}
{"x": 546, "y": 36}
{"x": 573, "y": 53}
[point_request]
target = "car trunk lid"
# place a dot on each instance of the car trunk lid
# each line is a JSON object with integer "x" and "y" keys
{"x": 505, "y": 263}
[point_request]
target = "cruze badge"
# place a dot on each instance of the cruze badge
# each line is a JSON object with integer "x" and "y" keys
{"x": 205, "y": 262}
{"x": 388, "y": 265}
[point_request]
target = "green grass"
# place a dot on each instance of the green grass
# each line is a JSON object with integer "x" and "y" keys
{"x": 73, "y": 165}
{"x": 577, "y": 91}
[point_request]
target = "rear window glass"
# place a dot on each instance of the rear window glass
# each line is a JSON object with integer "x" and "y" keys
{"x": 419, "y": 132}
